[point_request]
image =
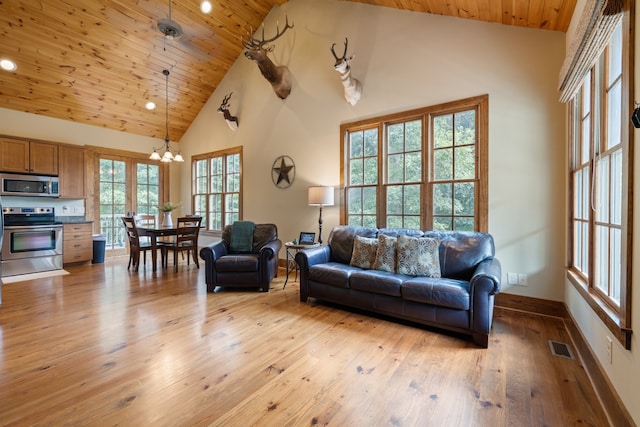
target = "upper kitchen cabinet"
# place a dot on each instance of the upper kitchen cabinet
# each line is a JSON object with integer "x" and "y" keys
{"x": 34, "y": 157}
{"x": 72, "y": 172}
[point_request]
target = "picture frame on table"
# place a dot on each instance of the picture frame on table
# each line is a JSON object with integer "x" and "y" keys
{"x": 307, "y": 238}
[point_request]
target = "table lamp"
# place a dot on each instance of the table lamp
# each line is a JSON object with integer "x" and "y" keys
{"x": 320, "y": 196}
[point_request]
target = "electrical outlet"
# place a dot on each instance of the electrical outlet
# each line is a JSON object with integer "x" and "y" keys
{"x": 610, "y": 350}
{"x": 512, "y": 278}
{"x": 79, "y": 209}
{"x": 522, "y": 279}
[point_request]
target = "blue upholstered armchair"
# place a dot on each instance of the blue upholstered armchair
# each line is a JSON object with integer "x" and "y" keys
{"x": 235, "y": 261}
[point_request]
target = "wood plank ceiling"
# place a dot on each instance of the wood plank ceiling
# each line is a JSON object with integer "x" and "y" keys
{"x": 99, "y": 61}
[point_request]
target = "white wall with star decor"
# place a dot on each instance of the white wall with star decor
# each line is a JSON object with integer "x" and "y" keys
{"x": 405, "y": 60}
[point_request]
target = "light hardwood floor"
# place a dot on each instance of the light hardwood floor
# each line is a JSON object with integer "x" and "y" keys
{"x": 103, "y": 346}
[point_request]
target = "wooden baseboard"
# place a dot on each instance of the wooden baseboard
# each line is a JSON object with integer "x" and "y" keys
{"x": 532, "y": 305}
{"x": 611, "y": 402}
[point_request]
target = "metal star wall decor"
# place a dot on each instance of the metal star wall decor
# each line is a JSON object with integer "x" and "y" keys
{"x": 283, "y": 172}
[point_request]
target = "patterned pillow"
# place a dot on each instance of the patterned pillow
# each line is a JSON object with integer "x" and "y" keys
{"x": 386, "y": 254}
{"x": 418, "y": 256}
{"x": 364, "y": 252}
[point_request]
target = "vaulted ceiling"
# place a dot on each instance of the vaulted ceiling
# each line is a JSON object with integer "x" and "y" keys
{"x": 99, "y": 61}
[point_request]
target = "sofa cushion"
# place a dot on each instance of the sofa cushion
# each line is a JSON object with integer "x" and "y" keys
{"x": 418, "y": 256}
{"x": 238, "y": 262}
{"x": 386, "y": 254}
{"x": 437, "y": 291}
{"x": 364, "y": 252}
{"x": 332, "y": 273}
{"x": 378, "y": 282}
{"x": 341, "y": 241}
{"x": 462, "y": 251}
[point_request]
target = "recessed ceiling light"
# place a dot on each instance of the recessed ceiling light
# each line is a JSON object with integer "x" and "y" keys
{"x": 150, "y": 105}
{"x": 205, "y": 6}
{"x": 8, "y": 65}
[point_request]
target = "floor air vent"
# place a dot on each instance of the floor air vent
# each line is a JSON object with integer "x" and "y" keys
{"x": 560, "y": 349}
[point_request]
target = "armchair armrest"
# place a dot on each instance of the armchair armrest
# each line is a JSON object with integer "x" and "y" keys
{"x": 215, "y": 250}
{"x": 269, "y": 250}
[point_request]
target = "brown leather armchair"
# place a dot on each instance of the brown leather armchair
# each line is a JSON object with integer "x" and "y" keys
{"x": 257, "y": 267}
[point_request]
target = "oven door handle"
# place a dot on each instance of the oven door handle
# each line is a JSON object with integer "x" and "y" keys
{"x": 31, "y": 227}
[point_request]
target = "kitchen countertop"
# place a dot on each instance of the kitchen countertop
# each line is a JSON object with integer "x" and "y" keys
{"x": 72, "y": 220}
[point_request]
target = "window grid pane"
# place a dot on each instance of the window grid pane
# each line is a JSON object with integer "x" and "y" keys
{"x": 217, "y": 189}
{"x": 450, "y": 181}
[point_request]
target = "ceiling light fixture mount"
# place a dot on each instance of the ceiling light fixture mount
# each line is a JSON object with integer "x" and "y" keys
{"x": 168, "y": 155}
{"x": 8, "y": 65}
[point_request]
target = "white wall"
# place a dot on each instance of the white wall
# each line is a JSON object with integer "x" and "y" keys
{"x": 405, "y": 60}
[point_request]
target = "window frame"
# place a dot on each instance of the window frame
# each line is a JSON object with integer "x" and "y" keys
{"x": 480, "y": 104}
{"x": 131, "y": 159}
{"x": 223, "y": 154}
{"x": 617, "y": 319}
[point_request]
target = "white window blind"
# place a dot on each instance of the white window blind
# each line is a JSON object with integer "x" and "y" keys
{"x": 594, "y": 29}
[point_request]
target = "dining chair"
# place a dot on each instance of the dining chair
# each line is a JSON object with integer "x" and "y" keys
{"x": 136, "y": 246}
{"x": 145, "y": 220}
{"x": 185, "y": 240}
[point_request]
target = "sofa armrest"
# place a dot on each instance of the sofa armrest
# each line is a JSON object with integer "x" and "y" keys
{"x": 309, "y": 257}
{"x": 306, "y": 259}
{"x": 484, "y": 284}
{"x": 491, "y": 270}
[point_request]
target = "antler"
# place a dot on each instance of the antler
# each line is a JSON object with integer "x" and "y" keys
{"x": 224, "y": 104}
{"x": 344, "y": 54}
{"x": 255, "y": 44}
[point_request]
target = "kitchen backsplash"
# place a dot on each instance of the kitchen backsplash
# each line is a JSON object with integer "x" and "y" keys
{"x": 63, "y": 207}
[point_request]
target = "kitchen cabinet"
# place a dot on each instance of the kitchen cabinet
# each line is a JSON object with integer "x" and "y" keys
{"x": 72, "y": 175}
{"x": 31, "y": 157}
{"x": 77, "y": 242}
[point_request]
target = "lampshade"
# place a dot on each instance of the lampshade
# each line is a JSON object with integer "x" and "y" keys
{"x": 321, "y": 196}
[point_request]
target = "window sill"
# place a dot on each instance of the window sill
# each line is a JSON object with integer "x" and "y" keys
{"x": 604, "y": 313}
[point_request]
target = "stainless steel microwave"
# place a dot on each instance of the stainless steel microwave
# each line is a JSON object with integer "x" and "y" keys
{"x": 29, "y": 185}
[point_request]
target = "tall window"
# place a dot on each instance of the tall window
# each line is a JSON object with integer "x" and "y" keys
{"x": 600, "y": 216}
{"x": 217, "y": 187}
{"x": 422, "y": 169}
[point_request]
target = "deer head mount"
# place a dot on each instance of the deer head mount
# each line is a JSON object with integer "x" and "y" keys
{"x": 232, "y": 121}
{"x": 352, "y": 86}
{"x": 278, "y": 75}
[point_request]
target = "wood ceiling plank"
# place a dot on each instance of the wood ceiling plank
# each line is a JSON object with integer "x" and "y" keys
{"x": 97, "y": 61}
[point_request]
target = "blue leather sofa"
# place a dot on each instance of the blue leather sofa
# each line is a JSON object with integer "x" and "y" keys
{"x": 461, "y": 300}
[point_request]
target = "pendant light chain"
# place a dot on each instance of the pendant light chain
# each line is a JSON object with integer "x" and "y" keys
{"x": 166, "y": 94}
{"x": 168, "y": 155}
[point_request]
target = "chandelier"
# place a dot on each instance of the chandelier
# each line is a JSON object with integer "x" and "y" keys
{"x": 168, "y": 156}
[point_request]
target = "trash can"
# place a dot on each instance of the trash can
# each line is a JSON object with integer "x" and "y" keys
{"x": 99, "y": 245}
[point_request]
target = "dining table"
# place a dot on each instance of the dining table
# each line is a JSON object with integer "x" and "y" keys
{"x": 154, "y": 232}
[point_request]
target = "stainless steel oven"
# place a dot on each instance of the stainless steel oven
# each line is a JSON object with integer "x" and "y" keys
{"x": 32, "y": 241}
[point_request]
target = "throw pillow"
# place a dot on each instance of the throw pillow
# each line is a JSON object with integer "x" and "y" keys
{"x": 364, "y": 252}
{"x": 386, "y": 254}
{"x": 418, "y": 256}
